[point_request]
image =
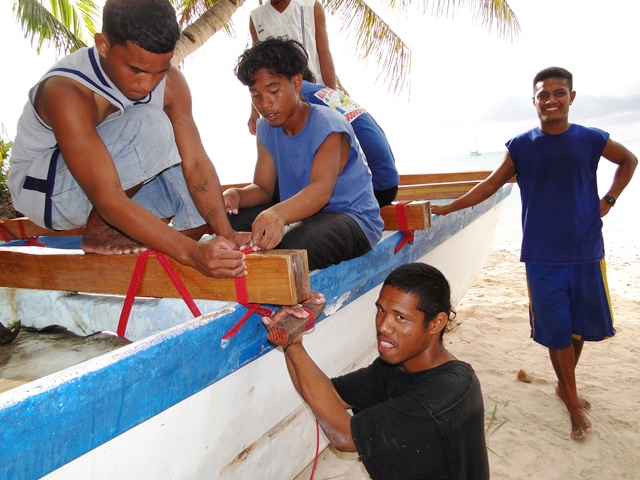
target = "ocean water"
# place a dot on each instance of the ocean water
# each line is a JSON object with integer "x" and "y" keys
{"x": 621, "y": 226}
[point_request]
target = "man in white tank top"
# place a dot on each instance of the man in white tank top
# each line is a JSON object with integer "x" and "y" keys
{"x": 107, "y": 141}
{"x": 300, "y": 20}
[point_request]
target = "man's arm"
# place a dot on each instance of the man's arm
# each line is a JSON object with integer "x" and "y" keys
{"x": 199, "y": 172}
{"x": 327, "y": 68}
{"x": 254, "y": 115}
{"x": 481, "y": 191}
{"x": 330, "y": 158}
{"x": 627, "y": 162}
{"x": 73, "y": 112}
{"x": 317, "y": 389}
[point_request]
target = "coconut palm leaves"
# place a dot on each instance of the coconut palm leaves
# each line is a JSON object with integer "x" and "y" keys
{"x": 67, "y": 24}
{"x": 375, "y": 39}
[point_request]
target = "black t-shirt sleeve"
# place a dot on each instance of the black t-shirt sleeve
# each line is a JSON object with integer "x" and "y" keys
{"x": 425, "y": 425}
{"x": 364, "y": 387}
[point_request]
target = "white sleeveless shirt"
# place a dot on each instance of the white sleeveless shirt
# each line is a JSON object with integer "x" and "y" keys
{"x": 35, "y": 150}
{"x": 296, "y": 22}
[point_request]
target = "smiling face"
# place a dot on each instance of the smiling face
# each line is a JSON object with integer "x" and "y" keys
{"x": 403, "y": 337}
{"x": 552, "y": 98}
{"x": 276, "y": 98}
{"x": 135, "y": 71}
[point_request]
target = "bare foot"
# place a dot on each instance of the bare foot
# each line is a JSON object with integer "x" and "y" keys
{"x": 108, "y": 241}
{"x": 585, "y": 404}
{"x": 580, "y": 424}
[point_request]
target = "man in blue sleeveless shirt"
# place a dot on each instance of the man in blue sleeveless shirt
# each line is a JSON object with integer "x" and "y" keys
{"x": 326, "y": 196}
{"x": 107, "y": 141}
{"x": 562, "y": 245}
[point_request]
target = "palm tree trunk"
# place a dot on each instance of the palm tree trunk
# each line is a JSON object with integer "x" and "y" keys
{"x": 196, "y": 34}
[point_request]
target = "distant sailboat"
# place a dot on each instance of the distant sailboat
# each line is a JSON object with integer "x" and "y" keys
{"x": 475, "y": 153}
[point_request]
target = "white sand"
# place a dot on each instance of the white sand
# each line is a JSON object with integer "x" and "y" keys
{"x": 529, "y": 436}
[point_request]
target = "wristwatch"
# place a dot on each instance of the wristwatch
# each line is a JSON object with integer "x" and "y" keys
{"x": 610, "y": 200}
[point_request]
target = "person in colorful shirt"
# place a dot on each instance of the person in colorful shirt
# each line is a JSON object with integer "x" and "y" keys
{"x": 371, "y": 137}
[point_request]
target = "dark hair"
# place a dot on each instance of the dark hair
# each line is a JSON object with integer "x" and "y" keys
{"x": 150, "y": 24}
{"x": 428, "y": 285}
{"x": 308, "y": 75}
{"x": 551, "y": 72}
{"x": 281, "y": 56}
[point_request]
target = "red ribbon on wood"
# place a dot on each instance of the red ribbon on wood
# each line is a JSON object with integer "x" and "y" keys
{"x": 403, "y": 225}
{"x": 135, "y": 282}
{"x": 242, "y": 297}
{"x": 31, "y": 241}
{"x": 3, "y": 234}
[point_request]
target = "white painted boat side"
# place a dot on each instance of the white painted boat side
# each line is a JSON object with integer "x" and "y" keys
{"x": 252, "y": 424}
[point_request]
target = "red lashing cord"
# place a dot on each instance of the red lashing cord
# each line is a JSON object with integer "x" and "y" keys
{"x": 242, "y": 297}
{"x": 403, "y": 225}
{"x": 135, "y": 282}
{"x": 31, "y": 241}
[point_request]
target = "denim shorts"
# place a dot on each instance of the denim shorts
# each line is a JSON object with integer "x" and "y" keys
{"x": 143, "y": 147}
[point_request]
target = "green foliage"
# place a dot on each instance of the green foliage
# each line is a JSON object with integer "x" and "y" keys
{"x": 5, "y": 153}
{"x": 66, "y": 25}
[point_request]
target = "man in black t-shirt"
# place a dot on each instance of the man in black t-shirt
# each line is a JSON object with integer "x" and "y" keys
{"x": 417, "y": 410}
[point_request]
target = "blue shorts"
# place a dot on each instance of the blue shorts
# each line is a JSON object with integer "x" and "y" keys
{"x": 569, "y": 302}
{"x": 143, "y": 147}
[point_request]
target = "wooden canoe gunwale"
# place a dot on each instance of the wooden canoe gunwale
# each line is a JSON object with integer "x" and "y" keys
{"x": 87, "y": 407}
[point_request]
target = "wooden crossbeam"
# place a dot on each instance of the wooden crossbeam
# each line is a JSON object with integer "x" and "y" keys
{"x": 434, "y": 191}
{"x": 422, "y": 178}
{"x": 428, "y": 178}
{"x": 279, "y": 277}
{"x": 418, "y": 216}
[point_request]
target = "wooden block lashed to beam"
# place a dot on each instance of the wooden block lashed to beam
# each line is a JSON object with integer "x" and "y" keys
{"x": 279, "y": 277}
{"x": 418, "y": 216}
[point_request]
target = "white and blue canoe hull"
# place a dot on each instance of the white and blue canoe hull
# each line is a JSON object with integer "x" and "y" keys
{"x": 176, "y": 405}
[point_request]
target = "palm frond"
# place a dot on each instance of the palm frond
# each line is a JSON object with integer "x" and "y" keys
{"x": 486, "y": 12}
{"x": 61, "y": 27}
{"x": 91, "y": 16}
{"x": 374, "y": 38}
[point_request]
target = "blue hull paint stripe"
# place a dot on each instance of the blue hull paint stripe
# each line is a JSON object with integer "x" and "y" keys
{"x": 52, "y": 421}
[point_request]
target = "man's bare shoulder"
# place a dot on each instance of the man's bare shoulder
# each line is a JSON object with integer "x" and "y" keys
{"x": 176, "y": 90}
{"x": 62, "y": 92}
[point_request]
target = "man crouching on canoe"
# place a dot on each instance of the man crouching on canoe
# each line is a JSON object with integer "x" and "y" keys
{"x": 418, "y": 411}
{"x": 107, "y": 141}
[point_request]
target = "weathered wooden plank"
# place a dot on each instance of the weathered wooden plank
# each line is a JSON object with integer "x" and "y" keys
{"x": 435, "y": 191}
{"x": 279, "y": 277}
{"x": 421, "y": 178}
{"x": 418, "y": 216}
{"x": 12, "y": 228}
{"x": 424, "y": 178}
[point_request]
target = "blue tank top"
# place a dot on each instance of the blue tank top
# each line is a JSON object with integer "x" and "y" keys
{"x": 294, "y": 155}
{"x": 371, "y": 137}
{"x": 560, "y": 203}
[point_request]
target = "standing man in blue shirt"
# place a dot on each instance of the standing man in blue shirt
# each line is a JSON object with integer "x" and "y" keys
{"x": 562, "y": 245}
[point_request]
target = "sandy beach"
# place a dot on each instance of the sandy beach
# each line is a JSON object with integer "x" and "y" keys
{"x": 527, "y": 425}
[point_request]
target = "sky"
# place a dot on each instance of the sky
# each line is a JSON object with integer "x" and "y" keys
{"x": 470, "y": 90}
